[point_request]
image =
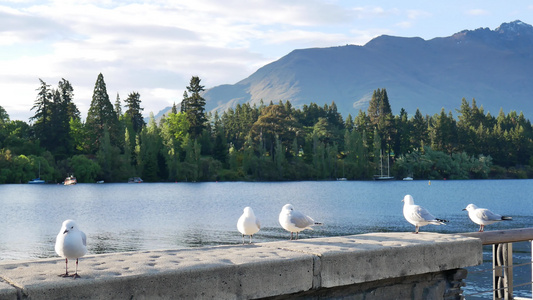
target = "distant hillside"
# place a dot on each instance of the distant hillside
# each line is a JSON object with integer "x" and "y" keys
{"x": 493, "y": 66}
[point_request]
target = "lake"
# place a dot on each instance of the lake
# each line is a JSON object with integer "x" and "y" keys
{"x": 148, "y": 216}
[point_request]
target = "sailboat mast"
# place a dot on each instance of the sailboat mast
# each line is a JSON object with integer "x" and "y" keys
{"x": 388, "y": 166}
{"x": 381, "y": 163}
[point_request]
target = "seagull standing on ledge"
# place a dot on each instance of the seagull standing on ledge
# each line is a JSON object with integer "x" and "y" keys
{"x": 417, "y": 215}
{"x": 71, "y": 243}
{"x": 248, "y": 224}
{"x": 483, "y": 216}
{"x": 294, "y": 221}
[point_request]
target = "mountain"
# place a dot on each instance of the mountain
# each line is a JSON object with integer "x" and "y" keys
{"x": 493, "y": 66}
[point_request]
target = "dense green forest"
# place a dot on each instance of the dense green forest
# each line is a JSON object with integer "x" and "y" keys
{"x": 256, "y": 143}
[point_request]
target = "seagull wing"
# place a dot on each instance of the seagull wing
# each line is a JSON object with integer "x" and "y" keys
{"x": 257, "y": 223}
{"x": 421, "y": 214}
{"x": 83, "y": 238}
{"x": 300, "y": 220}
{"x": 486, "y": 215}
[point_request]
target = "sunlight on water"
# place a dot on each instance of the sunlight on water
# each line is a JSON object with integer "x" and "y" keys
{"x": 133, "y": 217}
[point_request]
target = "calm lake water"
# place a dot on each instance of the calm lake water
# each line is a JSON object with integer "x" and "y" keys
{"x": 147, "y": 216}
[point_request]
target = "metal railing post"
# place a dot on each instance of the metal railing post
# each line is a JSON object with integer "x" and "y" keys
{"x": 502, "y": 262}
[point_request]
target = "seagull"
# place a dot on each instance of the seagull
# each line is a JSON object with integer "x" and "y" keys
{"x": 417, "y": 215}
{"x": 248, "y": 224}
{"x": 71, "y": 243}
{"x": 483, "y": 216}
{"x": 294, "y": 221}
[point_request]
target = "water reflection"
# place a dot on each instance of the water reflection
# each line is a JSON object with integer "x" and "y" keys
{"x": 125, "y": 217}
{"x": 107, "y": 242}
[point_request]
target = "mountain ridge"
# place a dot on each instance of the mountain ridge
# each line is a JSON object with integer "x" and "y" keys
{"x": 491, "y": 66}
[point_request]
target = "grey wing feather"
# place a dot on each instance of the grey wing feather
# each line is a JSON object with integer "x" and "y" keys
{"x": 487, "y": 215}
{"x": 258, "y": 223}
{"x": 83, "y": 238}
{"x": 423, "y": 214}
{"x": 300, "y": 220}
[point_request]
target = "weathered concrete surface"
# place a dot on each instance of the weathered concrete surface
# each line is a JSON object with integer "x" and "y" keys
{"x": 224, "y": 272}
{"x": 7, "y": 291}
{"x": 244, "y": 272}
{"x": 376, "y": 256}
{"x": 444, "y": 285}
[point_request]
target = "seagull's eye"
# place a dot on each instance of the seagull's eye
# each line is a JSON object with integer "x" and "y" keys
{"x": 71, "y": 227}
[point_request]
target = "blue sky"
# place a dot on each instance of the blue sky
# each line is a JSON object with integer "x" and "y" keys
{"x": 154, "y": 47}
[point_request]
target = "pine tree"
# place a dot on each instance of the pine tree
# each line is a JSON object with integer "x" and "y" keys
{"x": 43, "y": 105}
{"x": 66, "y": 92}
{"x": 4, "y": 116}
{"x": 133, "y": 103}
{"x": 59, "y": 127}
{"x": 101, "y": 116}
{"x": 194, "y": 106}
{"x": 118, "y": 107}
{"x": 419, "y": 135}
{"x": 174, "y": 109}
{"x": 380, "y": 114}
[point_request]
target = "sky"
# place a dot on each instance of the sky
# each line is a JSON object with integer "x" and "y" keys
{"x": 155, "y": 47}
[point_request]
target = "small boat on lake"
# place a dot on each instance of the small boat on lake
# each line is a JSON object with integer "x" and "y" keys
{"x": 408, "y": 178}
{"x": 70, "y": 180}
{"x": 381, "y": 176}
{"x": 135, "y": 180}
{"x": 36, "y": 180}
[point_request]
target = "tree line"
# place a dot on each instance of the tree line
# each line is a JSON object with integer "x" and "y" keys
{"x": 256, "y": 142}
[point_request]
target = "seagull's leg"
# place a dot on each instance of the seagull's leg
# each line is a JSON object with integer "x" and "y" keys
{"x": 481, "y": 227}
{"x": 76, "y": 274}
{"x": 243, "y": 239}
{"x": 66, "y": 269}
{"x": 296, "y": 235}
{"x": 251, "y": 238}
{"x": 416, "y": 229}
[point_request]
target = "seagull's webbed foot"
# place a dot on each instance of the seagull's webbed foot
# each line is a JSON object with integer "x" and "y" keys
{"x": 76, "y": 276}
{"x": 64, "y": 275}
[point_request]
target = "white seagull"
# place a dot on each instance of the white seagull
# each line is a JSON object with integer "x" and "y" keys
{"x": 71, "y": 243}
{"x": 417, "y": 215}
{"x": 483, "y": 216}
{"x": 248, "y": 224}
{"x": 294, "y": 221}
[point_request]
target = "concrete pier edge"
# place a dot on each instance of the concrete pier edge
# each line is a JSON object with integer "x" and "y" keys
{"x": 243, "y": 271}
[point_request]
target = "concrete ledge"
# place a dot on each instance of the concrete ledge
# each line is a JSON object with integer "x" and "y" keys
{"x": 7, "y": 291}
{"x": 375, "y": 256}
{"x": 243, "y": 272}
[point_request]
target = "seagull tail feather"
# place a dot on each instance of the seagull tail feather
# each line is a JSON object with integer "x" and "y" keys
{"x": 318, "y": 223}
{"x": 442, "y": 221}
{"x": 507, "y": 218}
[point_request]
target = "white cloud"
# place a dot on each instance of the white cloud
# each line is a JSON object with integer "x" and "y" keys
{"x": 477, "y": 12}
{"x": 405, "y": 24}
{"x": 155, "y": 46}
{"x": 414, "y": 14}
